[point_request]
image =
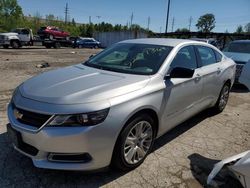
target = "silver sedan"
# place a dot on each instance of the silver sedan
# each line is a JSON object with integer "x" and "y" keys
{"x": 109, "y": 110}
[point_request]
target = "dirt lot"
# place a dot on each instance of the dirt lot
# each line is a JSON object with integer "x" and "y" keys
{"x": 181, "y": 158}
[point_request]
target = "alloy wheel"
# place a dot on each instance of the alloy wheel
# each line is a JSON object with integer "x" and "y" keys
{"x": 224, "y": 97}
{"x": 138, "y": 142}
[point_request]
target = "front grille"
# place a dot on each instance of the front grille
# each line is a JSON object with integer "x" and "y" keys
{"x": 1, "y": 37}
{"x": 239, "y": 68}
{"x": 30, "y": 118}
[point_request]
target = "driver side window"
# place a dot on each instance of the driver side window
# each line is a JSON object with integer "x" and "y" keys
{"x": 185, "y": 58}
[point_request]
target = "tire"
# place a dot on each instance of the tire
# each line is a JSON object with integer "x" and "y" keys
{"x": 57, "y": 45}
{"x": 5, "y": 46}
{"x": 15, "y": 44}
{"x": 48, "y": 46}
{"x": 130, "y": 150}
{"x": 222, "y": 99}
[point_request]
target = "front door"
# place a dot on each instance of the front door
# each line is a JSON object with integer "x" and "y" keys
{"x": 182, "y": 95}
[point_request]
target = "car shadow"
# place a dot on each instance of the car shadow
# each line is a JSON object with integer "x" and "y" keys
{"x": 201, "y": 167}
{"x": 183, "y": 127}
{"x": 17, "y": 170}
{"x": 239, "y": 88}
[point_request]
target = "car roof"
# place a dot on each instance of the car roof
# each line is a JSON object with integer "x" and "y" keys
{"x": 158, "y": 41}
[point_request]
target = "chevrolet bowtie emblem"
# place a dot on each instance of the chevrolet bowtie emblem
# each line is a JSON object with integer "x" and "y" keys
{"x": 17, "y": 114}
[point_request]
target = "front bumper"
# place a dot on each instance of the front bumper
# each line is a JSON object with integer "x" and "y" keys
{"x": 97, "y": 142}
{"x": 4, "y": 42}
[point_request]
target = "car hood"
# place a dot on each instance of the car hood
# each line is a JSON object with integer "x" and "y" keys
{"x": 80, "y": 84}
{"x": 238, "y": 57}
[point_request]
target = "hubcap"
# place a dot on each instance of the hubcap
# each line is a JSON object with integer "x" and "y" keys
{"x": 224, "y": 97}
{"x": 138, "y": 142}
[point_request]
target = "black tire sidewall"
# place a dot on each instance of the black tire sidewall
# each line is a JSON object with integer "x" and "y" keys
{"x": 217, "y": 105}
{"x": 118, "y": 157}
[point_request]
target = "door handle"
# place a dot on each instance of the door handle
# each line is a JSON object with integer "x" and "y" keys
{"x": 218, "y": 70}
{"x": 197, "y": 77}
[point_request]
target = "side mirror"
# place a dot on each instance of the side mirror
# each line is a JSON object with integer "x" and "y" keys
{"x": 180, "y": 72}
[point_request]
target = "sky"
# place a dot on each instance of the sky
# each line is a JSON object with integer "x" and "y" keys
{"x": 228, "y": 13}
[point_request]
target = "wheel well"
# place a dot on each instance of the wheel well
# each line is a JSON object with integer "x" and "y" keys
{"x": 228, "y": 82}
{"x": 11, "y": 41}
{"x": 149, "y": 112}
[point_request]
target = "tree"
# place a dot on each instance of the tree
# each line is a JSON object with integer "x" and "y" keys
{"x": 247, "y": 27}
{"x": 73, "y": 22}
{"x": 206, "y": 23}
{"x": 11, "y": 14}
{"x": 182, "y": 30}
{"x": 239, "y": 29}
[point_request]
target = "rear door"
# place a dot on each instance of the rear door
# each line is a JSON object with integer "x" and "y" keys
{"x": 211, "y": 71}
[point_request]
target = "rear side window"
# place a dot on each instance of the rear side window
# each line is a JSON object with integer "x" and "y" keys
{"x": 218, "y": 56}
{"x": 185, "y": 58}
{"x": 207, "y": 55}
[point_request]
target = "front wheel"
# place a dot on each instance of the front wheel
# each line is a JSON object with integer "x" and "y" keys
{"x": 223, "y": 99}
{"x": 134, "y": 143}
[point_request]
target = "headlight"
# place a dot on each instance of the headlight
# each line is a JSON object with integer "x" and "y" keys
{"x": 76, "y": 120}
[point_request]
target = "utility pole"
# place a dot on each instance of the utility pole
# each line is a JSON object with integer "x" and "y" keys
{"x": 89, "y": 19}
{"x": 131, "y": 20}
{"x": 167, "y": 16}
{"x": 190, "y": 23}
{"x": 148, "y": 22}
{"x": 66, "y": 13}
{"x": 160, "y": 29}
{"x": 98, "y": 18}
{"x": 173, "y": 25}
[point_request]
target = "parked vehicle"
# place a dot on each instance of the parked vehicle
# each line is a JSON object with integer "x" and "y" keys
{"x": 16, "y": 38}
{"x": 238, "y": 164}
{"x": 24, "y": 37}
{"x": 51, "y": 33}
{"x": 86, "y": 43}
{"x": 239, "y": 51}
{"x": 110, "y": 109}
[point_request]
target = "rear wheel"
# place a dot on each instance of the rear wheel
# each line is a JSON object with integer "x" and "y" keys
{"x": 223, "y": 98}
{"x": 134, "y": 143}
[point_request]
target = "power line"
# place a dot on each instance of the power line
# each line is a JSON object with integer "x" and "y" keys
{"x": 148, "y": 22}
{"x": 90, "y": 20}
{"x": 167, "y": 16}
{"x": 173, "y": 25}
{"x": 66, "y": 11}
{"x": 190, "y": 23}
{"x": 131, "y": 20}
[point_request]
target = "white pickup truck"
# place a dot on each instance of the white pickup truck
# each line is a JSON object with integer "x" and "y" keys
{"x": 17, "y": 38}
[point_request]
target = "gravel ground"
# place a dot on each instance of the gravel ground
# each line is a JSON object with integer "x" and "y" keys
{"x": 181, "y": 158}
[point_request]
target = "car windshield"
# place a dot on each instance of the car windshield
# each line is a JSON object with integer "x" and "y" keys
{"x": 238, "y": 47}
{"x": 131, "y": 58}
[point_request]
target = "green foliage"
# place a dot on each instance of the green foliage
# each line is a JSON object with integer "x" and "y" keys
{"x": 10, "y": 14}
{"x": 182, "y": 30}
{"x": 239, "y": 29}
{"x": 247, "y": 28}
{"x": 206, "y": 23}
